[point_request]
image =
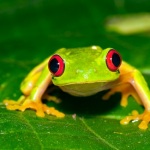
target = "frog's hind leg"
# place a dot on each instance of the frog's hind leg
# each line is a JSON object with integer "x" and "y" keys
{"x": 9, "y": 103}
{"x": 49, "y": 97}
{"x": 126, "y": 91}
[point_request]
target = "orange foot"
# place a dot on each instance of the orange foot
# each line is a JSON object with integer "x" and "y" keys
{"x": 145, "y": 119}
{"x": 39, "y": 107}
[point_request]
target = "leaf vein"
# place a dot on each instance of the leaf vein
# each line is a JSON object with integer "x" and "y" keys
{"x": 97, "y": 135}
{"x": 29, "y": 124}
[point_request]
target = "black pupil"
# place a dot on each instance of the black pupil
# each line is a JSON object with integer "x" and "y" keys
{"x": 116, "y": 59}
{"x": 54, "y": 65}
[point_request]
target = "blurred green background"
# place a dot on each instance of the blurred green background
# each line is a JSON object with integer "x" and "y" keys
{"x": 32, "y": 30}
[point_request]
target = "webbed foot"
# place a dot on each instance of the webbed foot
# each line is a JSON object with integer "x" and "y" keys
{"x": 25, "y": 103}
{"x": 145, "y": 119}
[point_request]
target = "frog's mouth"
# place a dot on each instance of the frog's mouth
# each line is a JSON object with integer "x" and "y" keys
{"x": 85, "y": 89}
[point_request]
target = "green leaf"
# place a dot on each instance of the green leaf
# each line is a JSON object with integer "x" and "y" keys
{"x": 30, "y": 31}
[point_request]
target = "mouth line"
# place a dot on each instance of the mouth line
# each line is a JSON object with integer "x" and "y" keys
{"x": 81, "y": 83}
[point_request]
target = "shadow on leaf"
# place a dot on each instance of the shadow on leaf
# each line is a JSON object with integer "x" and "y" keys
{"x": 86, "y": 106}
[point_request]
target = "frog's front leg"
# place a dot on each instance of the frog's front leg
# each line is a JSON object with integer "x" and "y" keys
{"x": 131, "y": 82}
{"x": 34, "y": 99}
{"x": 28, "y": 83}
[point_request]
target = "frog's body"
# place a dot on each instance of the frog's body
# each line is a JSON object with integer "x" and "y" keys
{"x": 83, "y": 72}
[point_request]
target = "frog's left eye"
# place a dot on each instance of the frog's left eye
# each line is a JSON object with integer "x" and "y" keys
{"x": 113, "y": 60}
{"x": 56, "y": 65}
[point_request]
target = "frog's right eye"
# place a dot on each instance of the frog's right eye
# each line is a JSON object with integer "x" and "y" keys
{"x": 56, "y": 65}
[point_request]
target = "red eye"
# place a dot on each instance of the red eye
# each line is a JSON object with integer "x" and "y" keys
{"x": 56, "y": 65}
{"x": 113, "y": 60}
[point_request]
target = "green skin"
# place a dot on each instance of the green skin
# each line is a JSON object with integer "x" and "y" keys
{"x": 84, "y": 81}
{"x": 88, "y": 80}
{"x": 86, "y": 73}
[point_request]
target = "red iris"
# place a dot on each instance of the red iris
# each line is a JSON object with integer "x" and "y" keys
{"x": 56, "y": 65}
{"x": 113, "y": 60}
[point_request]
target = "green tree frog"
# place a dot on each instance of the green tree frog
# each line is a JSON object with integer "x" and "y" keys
{"x": 83, "y": 72}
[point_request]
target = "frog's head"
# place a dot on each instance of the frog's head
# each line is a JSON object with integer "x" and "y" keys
{"x": 84, "y": 65}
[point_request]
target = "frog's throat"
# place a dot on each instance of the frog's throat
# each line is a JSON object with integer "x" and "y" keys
{"x": 85, "y": 89}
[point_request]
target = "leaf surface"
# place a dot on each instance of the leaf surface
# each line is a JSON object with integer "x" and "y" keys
{"x": 33, "y": 30}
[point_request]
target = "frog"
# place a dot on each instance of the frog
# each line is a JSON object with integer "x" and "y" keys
{"x": 82, "y": 72}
